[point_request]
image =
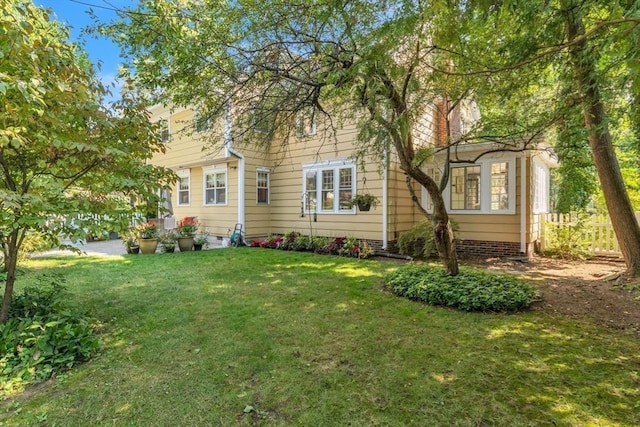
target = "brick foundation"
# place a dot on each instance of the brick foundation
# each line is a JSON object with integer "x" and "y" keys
{"x": 465, "y": 248}
{"x": 485, "y": 248}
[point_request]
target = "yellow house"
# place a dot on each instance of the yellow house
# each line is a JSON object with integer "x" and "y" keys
{"x": 308, "y": 189}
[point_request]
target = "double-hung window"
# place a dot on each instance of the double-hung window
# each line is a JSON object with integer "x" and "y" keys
{"x": 184, "y": 187}
{"x": 436, "y": 175}
{"x": 165, "y": 132}
{"x": 215, "y": 186}
{"x": 499, "y": 186}
{"x": 200, "y": 121}
{"x": 306, "y": 122}
{"x": 328, "y": 187}
{"x": 262, "y": 186}
{"x": 465, "y": 188}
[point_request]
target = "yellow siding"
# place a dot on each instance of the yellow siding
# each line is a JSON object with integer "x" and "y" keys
{"x": 492, "y": 227}
{"x": 283, "y": 213}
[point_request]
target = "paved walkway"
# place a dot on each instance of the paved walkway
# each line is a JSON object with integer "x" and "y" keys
{"x": 103, "y": 248}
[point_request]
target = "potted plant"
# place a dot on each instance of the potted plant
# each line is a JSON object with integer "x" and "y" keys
{"x": 147, "y": 233}
{"x": 200, "y": 240}
{"x": 186, "y": 229}
{"x": 130, "y": 243}
{"x": 168, "y": 241}
{"x": 364, "y": 201}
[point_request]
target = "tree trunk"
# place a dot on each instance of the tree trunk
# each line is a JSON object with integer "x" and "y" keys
{"x": 10, "y": 263}
{"x": 615, "y": 193}
{"x": 442, "y": 229}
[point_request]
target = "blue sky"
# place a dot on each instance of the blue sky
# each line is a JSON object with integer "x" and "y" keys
{"x": 101, "y": 51}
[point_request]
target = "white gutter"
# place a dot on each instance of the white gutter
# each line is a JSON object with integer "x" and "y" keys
{"x": 385, "y": 198}
{"x": 229, "y": 151}
{"x": 523, "y": 204}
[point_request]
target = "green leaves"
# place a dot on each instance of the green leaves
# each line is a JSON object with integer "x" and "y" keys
{"x": 471, "y": 290}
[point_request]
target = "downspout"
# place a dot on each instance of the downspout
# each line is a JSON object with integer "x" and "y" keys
{"x": 385, "y": 197}
{"x": 523, "y": 204}
{"x": 230, "y": 151}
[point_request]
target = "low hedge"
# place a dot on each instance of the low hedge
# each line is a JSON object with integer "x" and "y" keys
{"x": 471, "y": 290}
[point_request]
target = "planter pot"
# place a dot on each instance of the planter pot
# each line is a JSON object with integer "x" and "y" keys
{"x": 185, "y": 243}
{"x": 148, "y": 246}
{"x": 133, "y": 250}
{"x": 364, "y": 207}
{"x": 197, "y": 247}
{"x": 169, "y": 249}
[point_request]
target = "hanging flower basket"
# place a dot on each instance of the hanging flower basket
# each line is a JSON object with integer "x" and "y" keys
{"x": 364, "y": 201}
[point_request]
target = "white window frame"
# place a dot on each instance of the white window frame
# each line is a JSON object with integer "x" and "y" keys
{"x": 206, "y": 124}
{"x": 306, "y": 124}
{"x": 183, "y": 173}
{"x": 334, "y": 166}
{"x": 485, "y": 187}
{"x": 541, "y": 177}
{"x": 462, "y": 186}
{"x": 165, "y": 130}
{"x": 436, "y": 175}
{"x": 267, "y": 171}
{"x": 213, "y": 171}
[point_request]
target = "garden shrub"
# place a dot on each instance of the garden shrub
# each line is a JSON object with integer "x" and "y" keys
{"x": 418, "y": 241}
{"x": 567, "y": 240}
{"x": 42, "y": 336}
{"x": 471, "y": 290}
{"x": 294, "y": 241}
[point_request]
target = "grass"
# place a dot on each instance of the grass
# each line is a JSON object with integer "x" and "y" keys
{"x": 262, "y": 337}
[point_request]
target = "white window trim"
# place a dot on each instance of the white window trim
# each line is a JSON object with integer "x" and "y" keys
{"x": 335, "y": 165}
{"x": 183, "y": 173}
{"x": 206, "y": 123}
{"x": 165, "y": 121}
{"x": 541, "y": 179}
{"x": 306, "y": 123}
{"x": 212, "y": 170}
{"x": 485, "y": 188}
{"x": 266, "y": 170}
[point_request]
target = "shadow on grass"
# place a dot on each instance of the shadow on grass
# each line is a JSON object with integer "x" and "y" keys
{"x": 301, "y": 339}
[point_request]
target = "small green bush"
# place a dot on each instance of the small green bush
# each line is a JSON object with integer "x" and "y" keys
{"x": 567, "y": 240}
{"x": 42, "y": 336}
{"x": 418, "y": 241}
{"x": 471, "y": 290}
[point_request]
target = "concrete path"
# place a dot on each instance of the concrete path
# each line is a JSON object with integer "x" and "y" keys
{"x": 104, "y": 248}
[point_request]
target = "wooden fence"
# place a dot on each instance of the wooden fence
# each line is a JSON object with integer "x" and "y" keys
{"x": 594, "y": 232}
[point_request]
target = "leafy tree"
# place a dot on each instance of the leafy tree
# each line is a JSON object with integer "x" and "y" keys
{"x": 590, "y": 51}
{"x": 369, "y": 62}
{"x": 386, "y": 64}
{"x": 65, "y": 159}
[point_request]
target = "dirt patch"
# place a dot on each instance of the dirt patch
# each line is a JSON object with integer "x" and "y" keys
{"x": 594, "y": 289}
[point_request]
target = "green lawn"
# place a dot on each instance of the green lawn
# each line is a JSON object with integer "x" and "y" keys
{"x": 263, "y": 337}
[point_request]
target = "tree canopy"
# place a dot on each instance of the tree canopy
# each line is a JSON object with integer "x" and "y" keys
{"x": 532, "y": 66}
{"x": 65, "y": 159}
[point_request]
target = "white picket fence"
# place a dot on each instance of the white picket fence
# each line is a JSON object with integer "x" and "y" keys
{"x": 596, "y": 231}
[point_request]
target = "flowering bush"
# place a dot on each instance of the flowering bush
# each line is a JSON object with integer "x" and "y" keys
{"x": 146, "y": 230}
{"x": 187, "y": 226}
{"x": 293, "y": 241}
